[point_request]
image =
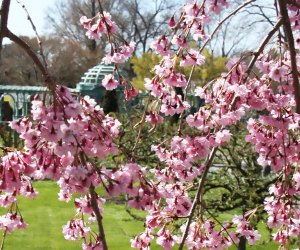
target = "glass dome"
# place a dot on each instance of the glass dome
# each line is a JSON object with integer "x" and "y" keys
{"x": 90, "y": 83}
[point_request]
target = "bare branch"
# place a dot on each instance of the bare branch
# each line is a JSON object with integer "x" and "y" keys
{"x": 37, "y": 36}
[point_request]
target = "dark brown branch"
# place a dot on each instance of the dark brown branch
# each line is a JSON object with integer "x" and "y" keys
{"x": 95, "y": 207}
{"x": 290, "y": 40}
{"x": 49, "y": 82}
{"x": 5, "y": 32}
{"x": 3, "y": 21}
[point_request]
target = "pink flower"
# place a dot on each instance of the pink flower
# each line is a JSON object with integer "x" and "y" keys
{"x": 223, "y": 136}
{"x": 172, "y": 22}
{"x": 177, "y": 40}
{"x": 129, "y": 93}
{"x": 160, "y": 46}
{"x": 154, "y": 118}
{"x": 193, "y": 57}
{"x": 277, "y": 72}
{"x": 165, "y": 239}
{"x": 86, "y": 22}
{"x": 109, "y": 82}
{"x": 296, "y": 178}
{"x": 176, "y": 79}
{"x": 75, "y": 229}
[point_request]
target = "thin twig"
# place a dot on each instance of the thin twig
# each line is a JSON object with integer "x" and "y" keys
{"x": 3, "y": 239}
{"x": 36, "y": 34}
{"x": 222, "y": 21}
{"x": 141, "y": 124}
{"x": 219, "y": 222}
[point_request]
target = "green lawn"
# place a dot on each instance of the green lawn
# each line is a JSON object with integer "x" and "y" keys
{"x": 46, "y": 215}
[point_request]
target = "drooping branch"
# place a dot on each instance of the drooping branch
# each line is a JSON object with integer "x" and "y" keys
{"x": 223, "y": 21}
{"x": 95, "y": 207}
{"x": 291, "y": 44}
{"x": 48, "y": 80}
{"x": 5, "y": 32}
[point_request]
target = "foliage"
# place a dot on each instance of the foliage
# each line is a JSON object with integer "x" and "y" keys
{"x": 143, "y": 68}
{"x": 237, "y": 180}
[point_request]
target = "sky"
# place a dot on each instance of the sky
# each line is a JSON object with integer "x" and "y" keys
{"x": 17, "y": 20}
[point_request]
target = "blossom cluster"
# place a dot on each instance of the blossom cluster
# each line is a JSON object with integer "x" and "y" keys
{"x": 58, "y": 139}
{"x": 102, "y": 25}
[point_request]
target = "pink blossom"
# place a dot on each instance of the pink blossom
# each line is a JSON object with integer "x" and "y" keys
{"x": 86, "y": 22}
{"x": 223, "y": 136}
{"x": 154, "y": 118}
{"x": 109, "y": 82}
{"x": 160, "y": 46}
{"x": 75, "y": 229}
{"x": 192, "y": 58}
{"x": 177, "y": 40}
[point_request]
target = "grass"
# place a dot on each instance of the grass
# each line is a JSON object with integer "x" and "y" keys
{"x": 46, "y": 215}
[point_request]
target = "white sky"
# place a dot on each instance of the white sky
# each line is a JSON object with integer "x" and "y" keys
{"x": 17, "y": 19}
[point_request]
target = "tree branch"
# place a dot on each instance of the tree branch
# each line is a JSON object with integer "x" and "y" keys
{"x": 290, "y": 40}
{"x": 223, "y": 21}
{"x": 3, "y": 21}
{"x": 201, "y": 50}
{"x": 95, "y": 207}
{"x": 48, "y": 80}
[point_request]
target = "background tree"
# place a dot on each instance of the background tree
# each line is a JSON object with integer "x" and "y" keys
{"x": 143, "y": 68}
{"x": 237, "y": 181}
{"x": 138, "y": 20}
{"x": 67, "y": 61}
